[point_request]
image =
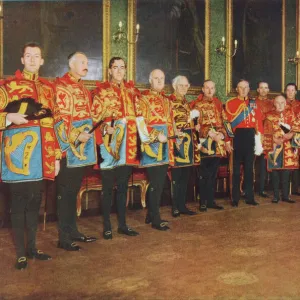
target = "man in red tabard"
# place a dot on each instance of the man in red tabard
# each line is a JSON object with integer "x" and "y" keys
{"x": 265, "y": 105}
{"x": 212, "y": 135}
{"x": 30, "y": 152}
{"x": 291, "y": 92}
{"x": 246, "y": 121}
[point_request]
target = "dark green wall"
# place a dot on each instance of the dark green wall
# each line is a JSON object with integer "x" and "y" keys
{"x": 217, "y": 65}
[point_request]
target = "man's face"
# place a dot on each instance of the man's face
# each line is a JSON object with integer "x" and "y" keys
{"x": 291, "y": 92}
{"x": 32, "y": 59}
{"x": 209, "y": 89}
{"x": 181, "y": 87}
{"x": 263, "y": 89}
{"x": 117, "y": 71}
{"x": 79, "y": 65}
{"x": 243, "y": 89}
{"x": 279, "y": 103}
{"x": 157, "y": 80}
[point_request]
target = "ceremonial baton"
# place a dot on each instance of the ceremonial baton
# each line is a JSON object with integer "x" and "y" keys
{"x": 91, "y": 131}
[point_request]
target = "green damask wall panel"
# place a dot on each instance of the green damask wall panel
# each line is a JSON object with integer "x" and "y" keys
{"x": 290, "y": 74}
{"x": 119, "y": 13}
{"x": 217, "y": 31}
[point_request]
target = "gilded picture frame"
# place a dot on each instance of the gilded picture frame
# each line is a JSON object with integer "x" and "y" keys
{"x": 106, "y": 43}
{"x": 131, "y": 66}
{"x": 230, "y": 88}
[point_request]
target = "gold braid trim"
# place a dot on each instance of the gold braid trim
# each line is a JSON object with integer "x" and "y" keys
{"x": 3, "y": 120}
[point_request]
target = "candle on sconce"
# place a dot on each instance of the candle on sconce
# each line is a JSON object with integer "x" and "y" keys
{"x": 297, "y": 54}
{"x": 137, "y": 28}
{"x": 223, "y": 40}
{"x": 120, "y": 24}
{"x": 235, "y": 43}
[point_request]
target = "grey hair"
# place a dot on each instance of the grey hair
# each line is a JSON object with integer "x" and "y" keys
{"x": 72, "y": 56}
{"x": 177, "y": 78}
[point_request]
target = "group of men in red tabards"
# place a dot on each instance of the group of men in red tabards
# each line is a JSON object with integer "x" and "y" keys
{"x": 52, "y": 129}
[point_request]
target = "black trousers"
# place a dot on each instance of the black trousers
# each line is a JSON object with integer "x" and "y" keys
{"x": 295, "y": 181}
{"x": 121, "y": 176}
{"x": 26, "y": 199}
{"x": 68, "y": 184}
{"x": 180, "y": 179}
{"x": 243, "y": 145}
{"x": 207, "y": 179}
{"x": 156, "y": 176}
{"x": 262, "y": 172}
{"x": 285, "y": 179}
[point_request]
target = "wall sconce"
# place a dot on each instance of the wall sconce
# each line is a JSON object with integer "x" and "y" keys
{"x": 120, "y": 36}
{"x": 222, "y": 49}
{"x": 295, "y": 60}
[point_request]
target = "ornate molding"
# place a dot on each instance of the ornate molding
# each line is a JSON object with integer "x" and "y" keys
{"x": 298, "y": 40}
{"x": 229, "y": 46}
{"x": 106, "y": 39}
{"x": 131, "y": 36}
{"x": 207, "y": 40}
{"x": 1, "y": 42}
{"x": 283, "y": 45}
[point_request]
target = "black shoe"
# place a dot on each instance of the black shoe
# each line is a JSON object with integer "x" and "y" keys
{"x": 253, "y": 202}
{"x": 38, "y": 254}
{"x": 288, "y": 200}
{"x": 127, "y": 231}
{"x": 162, "y": 226}
{"x": 21, "y": 263}
{"x": 296, "y": 193}
{"x": 85, "y": 239}
{"x": 215, "y": 206}
{"x": 234, "y": 204}
{"x": 148, "y": 220}
{"x": 187, "y": 212}
{"x": 68, "y": 246}
{"x": 263, "y": 194}
{"x": 107, "y": 235}
{"x": 203, "y": 208}
{"x": 175, "y": 213}
{"x": 275, "y": 200}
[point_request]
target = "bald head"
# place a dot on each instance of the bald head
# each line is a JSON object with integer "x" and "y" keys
{"x": 209, "y": 88}
{"x": 280, "y": 103}
{"x": 78, "y": 64}
{"x": 157, "y": 80}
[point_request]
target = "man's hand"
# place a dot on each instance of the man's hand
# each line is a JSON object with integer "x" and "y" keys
{"x": 16, "y": 118}
{"x": 162, "y": 138}
{"x": 57, "y": 167}
{"x": 84, "y": 137}
{"x": 178, "y": 132}
{"x": 110, "y": 130}
{"x": 288, "y": 136}
{"x": 197, "y": 127}
{"x": 212, "y": 134}
{"x": 228, "y": 147}
{"x": 218, "y": 137}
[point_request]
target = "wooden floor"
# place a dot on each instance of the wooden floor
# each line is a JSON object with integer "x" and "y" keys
{"x": 238, "y": 253}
